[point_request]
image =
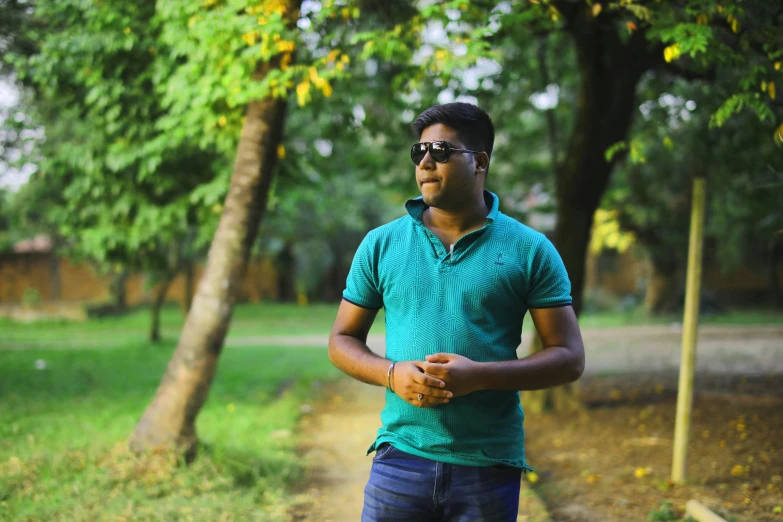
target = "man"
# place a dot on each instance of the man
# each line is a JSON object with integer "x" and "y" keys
{"x": 456, "y": 277}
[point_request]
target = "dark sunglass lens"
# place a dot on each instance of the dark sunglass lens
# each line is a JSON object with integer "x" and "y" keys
{"x": 418, "y": 151}
{"x": 439, "y": 150}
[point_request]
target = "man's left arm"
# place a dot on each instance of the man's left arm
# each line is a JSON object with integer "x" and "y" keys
{"x": 561, "y": 361}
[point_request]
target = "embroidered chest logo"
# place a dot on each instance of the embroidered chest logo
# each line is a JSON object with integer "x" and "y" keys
{"x": 499, "y": 262}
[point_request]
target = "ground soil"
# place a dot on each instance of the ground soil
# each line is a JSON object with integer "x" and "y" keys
{"x": 612, "y": 462}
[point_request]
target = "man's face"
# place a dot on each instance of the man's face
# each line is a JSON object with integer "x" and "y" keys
{"x": 452, "y": 184}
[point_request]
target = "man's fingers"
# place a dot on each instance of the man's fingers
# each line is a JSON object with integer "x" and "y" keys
{"x": 429, "y": 380}
{"x": 426, "y": 400}
{"x": 429, "y": 391}
{"x": 433, "y": 369}
{"x": 438, "y": 358}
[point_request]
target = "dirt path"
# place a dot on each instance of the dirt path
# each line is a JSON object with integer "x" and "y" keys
{"x": 336, "y": 438}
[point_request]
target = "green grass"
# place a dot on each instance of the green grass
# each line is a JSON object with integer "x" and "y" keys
{"x": 63, "y": 431}
{"x": 638, "y": 317}
{"x": 251, "y": 320}
{"x": 248, "y": 320}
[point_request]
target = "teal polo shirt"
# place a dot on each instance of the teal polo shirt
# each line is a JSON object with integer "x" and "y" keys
{"x": 469, "y": 300}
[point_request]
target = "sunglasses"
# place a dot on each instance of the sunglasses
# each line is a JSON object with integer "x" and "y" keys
{"x": 439, "y": 151}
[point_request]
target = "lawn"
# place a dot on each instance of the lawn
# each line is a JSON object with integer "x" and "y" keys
{"x": 133, "y": 328}
{"x": 65, "y": 416}
{"x": 258, "y": 320}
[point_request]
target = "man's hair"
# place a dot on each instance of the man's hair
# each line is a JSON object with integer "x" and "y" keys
{"x": 473, "y": 126}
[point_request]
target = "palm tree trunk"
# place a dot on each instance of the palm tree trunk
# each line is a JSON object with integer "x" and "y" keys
{"x": 169, "y": 420}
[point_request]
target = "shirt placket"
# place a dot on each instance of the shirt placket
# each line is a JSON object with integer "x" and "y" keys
{"x": 446, "y": 258}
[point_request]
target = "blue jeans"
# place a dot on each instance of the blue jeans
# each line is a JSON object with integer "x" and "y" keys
{"x": 408, "y": 488}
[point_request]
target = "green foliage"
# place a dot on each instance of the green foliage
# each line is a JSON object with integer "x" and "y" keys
{"x": 741, "y": 165}
{"x": 143, "y": 105}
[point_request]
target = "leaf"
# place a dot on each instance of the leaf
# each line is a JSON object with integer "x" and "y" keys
{"x": 614, "y": 149}
{"x": 779, "y": 135}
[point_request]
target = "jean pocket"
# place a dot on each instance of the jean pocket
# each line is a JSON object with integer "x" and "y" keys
{"x": 383, "y": 450}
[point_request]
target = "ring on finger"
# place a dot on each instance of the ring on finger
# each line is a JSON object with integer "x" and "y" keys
{"x": 420, "y": 397}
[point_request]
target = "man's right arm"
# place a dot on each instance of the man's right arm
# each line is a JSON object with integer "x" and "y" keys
{"x": 349, "y": 352}
{"x": 348, "y": 348}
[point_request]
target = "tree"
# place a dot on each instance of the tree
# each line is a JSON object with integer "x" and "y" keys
{"x": 650, "y": 194}
{"x": 127, "y": 199}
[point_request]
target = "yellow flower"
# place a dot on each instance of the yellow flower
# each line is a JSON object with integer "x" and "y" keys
{"x": 285, "y": 61}
{"x": 281, "y": 151}
{"x": 222, "y": 121}
{"x": 250, "y": 38}
{"x": 777, "y": 66}
{"x": 332, "y": 56}
{"x": 642, "y": 472}
{"x": 303, "y": 93}
{"x": 532, "y": 477}
{"x": 672, "y": 52}
{"x": 326, "y": 89}
{"x": 771, "y": 89}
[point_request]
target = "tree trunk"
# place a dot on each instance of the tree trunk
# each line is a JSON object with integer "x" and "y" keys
{"x": 774, "y": 280}
{"x": 661, "y": 295}
{"x": 54, "y": 276}
{"x": 187, "y": 298}
{"x": 286, "y": 273}
{"x": 169, "y": 420}
{"x": 119, "y": 299}
{"x": 157, "y": 304}
{"x": 609, "y": 70}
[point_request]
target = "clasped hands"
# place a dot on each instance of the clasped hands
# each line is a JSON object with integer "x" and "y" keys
{"x": 438, "y": 379}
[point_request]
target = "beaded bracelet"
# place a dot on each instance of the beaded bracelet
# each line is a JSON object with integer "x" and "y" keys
{"x": 389, "y": 377}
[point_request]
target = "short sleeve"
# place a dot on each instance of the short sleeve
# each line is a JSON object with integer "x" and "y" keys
{"x": 549, "y": 285}
{"x": 362, "y": 286}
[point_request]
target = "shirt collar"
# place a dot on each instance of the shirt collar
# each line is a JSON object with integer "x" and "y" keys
{"x": 416, "y": 206}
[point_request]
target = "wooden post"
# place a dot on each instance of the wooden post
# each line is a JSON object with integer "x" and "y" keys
{"x": 701, "y": 513}
{"x": 689, "y": 332}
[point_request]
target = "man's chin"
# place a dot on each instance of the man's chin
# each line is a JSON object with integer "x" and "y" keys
{"x": 431, "y": 200}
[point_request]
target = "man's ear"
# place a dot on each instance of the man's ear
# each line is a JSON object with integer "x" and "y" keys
{"x": 482, "y": 163}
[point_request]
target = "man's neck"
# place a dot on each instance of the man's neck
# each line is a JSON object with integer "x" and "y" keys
{"x": 457, "y": 221}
